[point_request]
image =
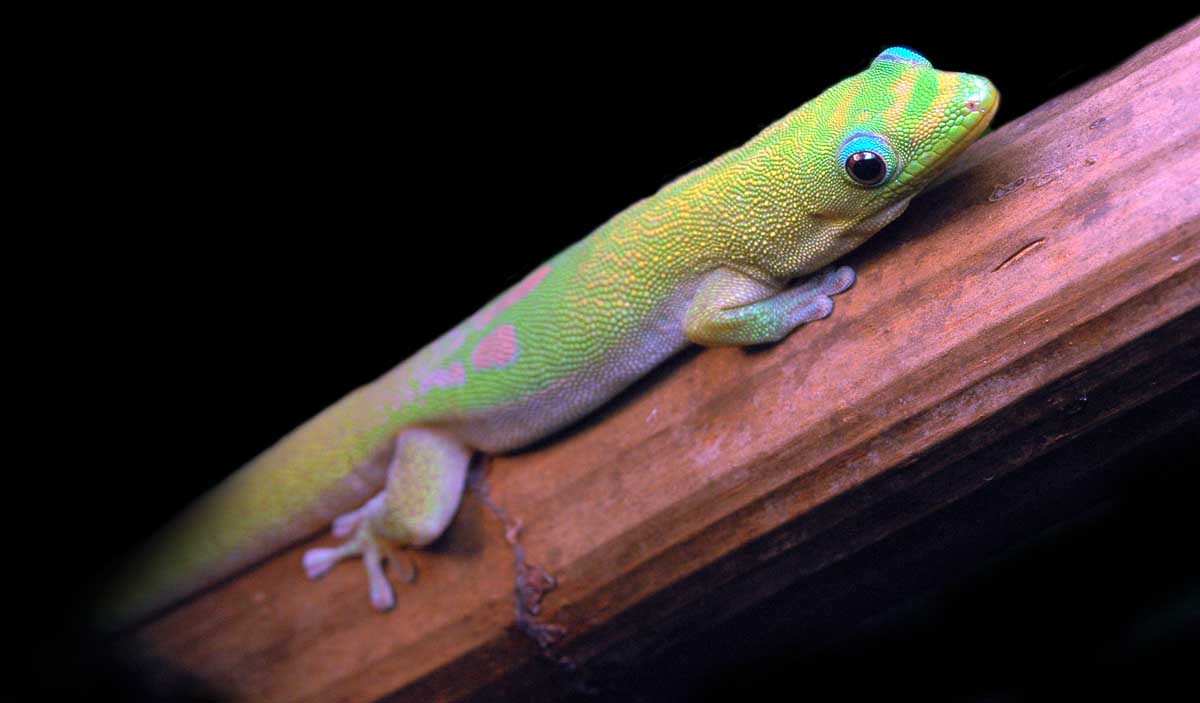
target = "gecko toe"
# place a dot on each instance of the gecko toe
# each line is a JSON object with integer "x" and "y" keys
{"x": 320, "y": 560}
{"x": 836, "y": 281}
{"x": 383, "y": 598}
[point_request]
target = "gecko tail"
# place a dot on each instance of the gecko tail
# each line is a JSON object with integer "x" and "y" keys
{"x": 328, "y": 465}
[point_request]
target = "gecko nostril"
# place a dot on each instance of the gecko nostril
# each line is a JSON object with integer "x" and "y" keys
{"x": 978, "y": 94}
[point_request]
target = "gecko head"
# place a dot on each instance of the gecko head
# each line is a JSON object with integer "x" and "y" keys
{"x": 890, "y": 130}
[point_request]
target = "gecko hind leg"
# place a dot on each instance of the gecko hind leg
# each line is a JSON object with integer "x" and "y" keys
{"x": 424, "y": 486}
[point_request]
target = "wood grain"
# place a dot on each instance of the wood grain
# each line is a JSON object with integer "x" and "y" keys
{"x": 1045, "y": 286}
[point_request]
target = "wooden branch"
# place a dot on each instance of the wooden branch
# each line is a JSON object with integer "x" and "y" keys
{"x": 1048, "y": 284}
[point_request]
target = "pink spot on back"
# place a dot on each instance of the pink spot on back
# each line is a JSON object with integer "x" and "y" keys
{"x": 497, "y": 349}
{"x": 522, "y": 289}
{"x": 452, "y": 375}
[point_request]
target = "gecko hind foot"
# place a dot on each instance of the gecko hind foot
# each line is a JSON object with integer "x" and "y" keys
{"x": 424, "y": 485}
{"x": 372, "y": 548}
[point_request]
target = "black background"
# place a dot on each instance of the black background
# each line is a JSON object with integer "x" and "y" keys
{"x": 253, "y": 215}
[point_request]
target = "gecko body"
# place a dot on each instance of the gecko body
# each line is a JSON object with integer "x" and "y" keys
{"x": 712, "y": 258}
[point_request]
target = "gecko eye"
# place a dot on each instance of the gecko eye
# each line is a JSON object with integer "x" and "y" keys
{"x": 866, "y": 168}
{"x": 868, "y": 159}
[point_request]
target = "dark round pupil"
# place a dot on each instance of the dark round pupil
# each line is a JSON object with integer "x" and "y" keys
{"x": 866, "y": 167}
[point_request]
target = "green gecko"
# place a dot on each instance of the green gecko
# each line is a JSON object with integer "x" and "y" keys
{"x": 711, "y": 258}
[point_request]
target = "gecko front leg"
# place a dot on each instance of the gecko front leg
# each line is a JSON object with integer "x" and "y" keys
{"x": 733, "y": 309}
{"x": 424, "y": 486}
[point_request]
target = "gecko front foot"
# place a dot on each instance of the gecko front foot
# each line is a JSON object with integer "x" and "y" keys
{"x": 424, "y": 485}
{"x": 829, "y": 281}
{"x": 733, "y": 309}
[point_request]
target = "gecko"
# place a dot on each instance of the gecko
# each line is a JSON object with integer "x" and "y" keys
{"x": 740, "y": 251}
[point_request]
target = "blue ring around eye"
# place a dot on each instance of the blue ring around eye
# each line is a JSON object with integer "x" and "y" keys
{"x": 873, "y": 143}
